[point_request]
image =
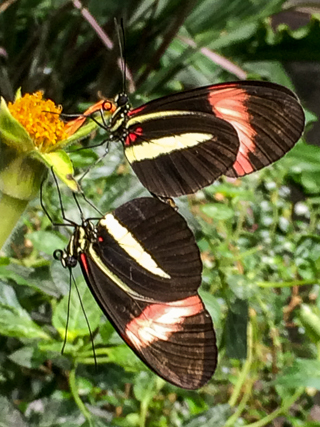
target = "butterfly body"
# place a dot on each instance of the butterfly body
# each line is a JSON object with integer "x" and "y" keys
{"x": 143, "y": 267}
{"x": 183, "y": 142}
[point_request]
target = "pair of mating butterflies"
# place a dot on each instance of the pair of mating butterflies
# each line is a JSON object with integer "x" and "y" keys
{"x": 141, "y": 262}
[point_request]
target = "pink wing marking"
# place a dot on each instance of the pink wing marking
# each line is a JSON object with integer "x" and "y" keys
{"x": 159, "y": 321}
{"x": 229, "y": 104}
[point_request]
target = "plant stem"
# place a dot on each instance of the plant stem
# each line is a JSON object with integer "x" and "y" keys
{"x": 11, "y": 210}
{"x": 282, "y": 410}
{"x": 243, "y": 377}
{"x": 231, "y": 421}
{"x": 74, "y": 392}
{"x": 287, "y": 284}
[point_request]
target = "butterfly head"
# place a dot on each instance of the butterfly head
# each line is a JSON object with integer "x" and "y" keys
{"x": 121, "y": 100}
{"x": 78, "y": 243}
{"x": 120, "y": 116}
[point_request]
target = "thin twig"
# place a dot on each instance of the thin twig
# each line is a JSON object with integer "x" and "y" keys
{"x": 94, "y": 24}
{"x": 223, "y": 62}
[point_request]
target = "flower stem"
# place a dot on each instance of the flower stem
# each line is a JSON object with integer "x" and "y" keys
{"x": 11, "y": 210}
{"x": 289, "y": 401}
{"x": 74, "y": 392}
{"x": 243, "y": 377}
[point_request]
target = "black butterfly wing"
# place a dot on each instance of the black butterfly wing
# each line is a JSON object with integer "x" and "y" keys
{"x": 145, "y": 277}
{"x": 267, "y": 117}
{"x": 178, "y": 152}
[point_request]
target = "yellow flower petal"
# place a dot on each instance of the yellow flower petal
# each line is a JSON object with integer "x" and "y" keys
{"x": 41, "y": 119}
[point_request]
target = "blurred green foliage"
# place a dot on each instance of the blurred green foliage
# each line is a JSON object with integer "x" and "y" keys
{"x": 259, "y": 236}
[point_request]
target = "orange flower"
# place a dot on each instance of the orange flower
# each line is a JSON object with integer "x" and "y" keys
{"x": 40, "y": 118}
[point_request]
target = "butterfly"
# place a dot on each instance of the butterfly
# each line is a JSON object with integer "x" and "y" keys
{"x": 183, "y": 142}
{"x": 143, "y": 267}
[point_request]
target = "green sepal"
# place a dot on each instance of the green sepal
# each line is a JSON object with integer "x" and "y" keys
{"x": 12, "y": 133}
{"x": 18, "y": 95}
{"x": 62, "y": 166}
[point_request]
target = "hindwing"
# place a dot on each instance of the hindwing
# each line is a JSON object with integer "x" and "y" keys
{"x": 144, "y": 270}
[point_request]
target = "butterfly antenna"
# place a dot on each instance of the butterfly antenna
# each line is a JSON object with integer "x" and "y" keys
{"x": 87, "y": 321}
{"x": 78, "y": 205}
{"x": 60, "y": 202}
{"x": 68, "y": 314}
{"x": 89, "y": 203}
{"x": 56, "y": 224}
{"x": 121, "y": 40}
{"x": 97, "y": 161}
{"x": 41, "y": 201}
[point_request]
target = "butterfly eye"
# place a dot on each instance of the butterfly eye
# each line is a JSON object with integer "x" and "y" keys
{"x": 71, "y": 261}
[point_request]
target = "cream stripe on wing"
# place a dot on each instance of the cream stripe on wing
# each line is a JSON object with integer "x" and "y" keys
{"x": 97, "y": 260}
{"x": 165, "y": 145}
{"x": 130, "y": 245}
{"x": 138, "y": 120}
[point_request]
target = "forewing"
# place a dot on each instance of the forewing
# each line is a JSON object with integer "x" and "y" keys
{"x": 144, "y": 270}
{"x": 268, "y": 118}
{"x": 147, "y": 244}
{"x": 175, "y": 153}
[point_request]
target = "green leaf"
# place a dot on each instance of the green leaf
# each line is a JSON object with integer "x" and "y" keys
{"x": 84, "y": 386}
{"x": 214, "y": 417}
{"x": 106, "y": 330}
{"x": 234, "y": 14}
{"x": 12, "y": 133}
{"x": 236, "y": 330}
{"x": 10, "y": 416}
{"x": 47, "y": 241}
{"x": 28, "y": 357}
{"x": 241, "y": 286}
{"x": 7, "y": 273}
{"x": 56, "y": 347}
{"x": 14, "y": 320}
{"x": 60, "y": 277}
{"x": 306, "y": 167}
{"x": 77, "y": 325}
{"x": 146, "y": 386}
{"x": 270, "y": 70}
{"x": 212, "y": 305}
{"x": 307, "y": 158}
{"x": 38, "y": 278}
{"x": 231, "y": 190}
{"x": 286, "y": 44}
{"x": 62, "y": 166}
{"x": 123, "y": 356}
{"x": 217, "y": 211}
{"x": 303, "y": 373}
{"x": 56, "y": 410}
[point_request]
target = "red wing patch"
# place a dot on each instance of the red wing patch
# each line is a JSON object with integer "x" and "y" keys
{"x": 132, "y": 136}
{"x": 160, "y": 321}
{"x": 230, "y": 105}
{"x": 267, "y": 117}
{"x": 176, "y": 340}
{"x": 84, "y": 262}
{"x": 163, "y": 320}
